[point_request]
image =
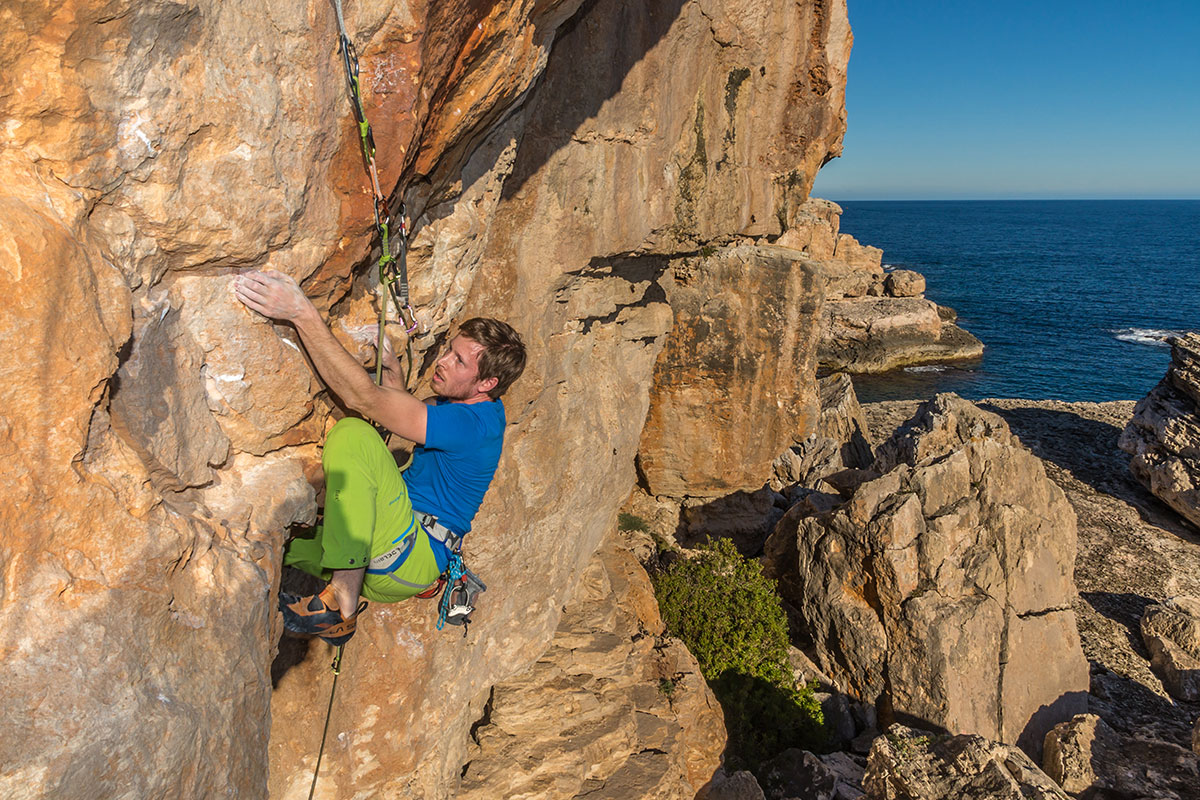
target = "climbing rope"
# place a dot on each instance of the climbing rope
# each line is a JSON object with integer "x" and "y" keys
{"x": 454, "y": 572}
{"x": 393, "y": 277}
{"x": 393, "y": 269}
{"x": 337, "y": 670}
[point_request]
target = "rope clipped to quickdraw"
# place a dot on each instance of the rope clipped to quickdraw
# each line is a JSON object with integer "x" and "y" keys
{"x": 336, "y": 666}
{"x": 393, "y": 269}
{"x": 454, "y": 573}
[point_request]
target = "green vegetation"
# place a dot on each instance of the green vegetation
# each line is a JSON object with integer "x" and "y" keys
{"x": 631, "y": 522}
{"x": 728, "y": 614}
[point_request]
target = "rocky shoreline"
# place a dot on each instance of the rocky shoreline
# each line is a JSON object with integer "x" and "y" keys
{"x": 872, "y": 319}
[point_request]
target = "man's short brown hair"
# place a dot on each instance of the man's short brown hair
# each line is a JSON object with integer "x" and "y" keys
{"x": 503, "y": 356}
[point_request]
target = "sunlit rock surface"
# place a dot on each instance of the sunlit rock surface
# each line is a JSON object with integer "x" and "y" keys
{"x": 555, "y": 162}
{"x": 941, "y": 590}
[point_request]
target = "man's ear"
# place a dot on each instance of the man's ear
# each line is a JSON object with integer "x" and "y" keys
{"x": 488, "y": 385}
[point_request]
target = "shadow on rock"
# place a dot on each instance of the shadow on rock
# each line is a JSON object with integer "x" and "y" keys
{"x": 1125, "y": 609}
{"x": 1087, "y": 450}
{"x": 1084, "y": 447}
{"x": 763, "y": 720}
{"x": 293, "y": 650}
{"x": 745, "y": 518}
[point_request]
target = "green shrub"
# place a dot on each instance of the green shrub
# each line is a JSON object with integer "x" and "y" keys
{"x": 729, "y": 616}
{"x": 631, "y": 522}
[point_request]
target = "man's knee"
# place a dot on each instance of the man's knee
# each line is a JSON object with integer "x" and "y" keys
{"x": 352, "y": 432}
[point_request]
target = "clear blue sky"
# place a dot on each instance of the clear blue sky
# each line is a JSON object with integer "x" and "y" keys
{"x": 1020, "y": 99}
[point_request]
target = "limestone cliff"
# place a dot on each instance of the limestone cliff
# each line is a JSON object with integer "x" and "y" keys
{"x": 565, "y": 165}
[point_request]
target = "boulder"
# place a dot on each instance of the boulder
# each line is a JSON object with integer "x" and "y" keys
{"x": 797, "y": 774}
{"x": 851, "y": 252}
{"x": 1072, "y": 750}
{"x": 612, "y": 709}
{"x": 849, "y": 771}
{"x": 1089, "y": 759}
{"x": 942, "y": 590}
{"x": 741, "y": 785}
{"x": 813, "y": 229}
{"x": 1196, "y": 738}
{"x": 876, "y": 334}
{"x": 843, "y": 281}
{"x": 904, "y": 283}
{"x": 1171, "y": 632}
{"x": 1164, "y": 435}
{"x": 908, "y": 764}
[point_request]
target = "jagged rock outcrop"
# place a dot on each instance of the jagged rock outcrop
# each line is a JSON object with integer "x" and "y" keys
{"x": 908, "y": 764}
{"x": 942, "y": 590}
{"x": 1171, "y": 632}
{"x": 612, "y": 709}
{"x": 839, "y": 442}
{"x": 872, "y": 320}
{"x": 1089, "y": 759}
{"x": 1164, "y": 435}
{"x": 160, "y": 438}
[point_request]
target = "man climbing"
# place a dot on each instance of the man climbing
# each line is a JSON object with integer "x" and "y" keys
{"x": 386, "y": 536}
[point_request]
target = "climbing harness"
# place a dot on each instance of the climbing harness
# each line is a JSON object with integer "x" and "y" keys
{"x": 458, "y": 585}
{"x": 393, "y": 269}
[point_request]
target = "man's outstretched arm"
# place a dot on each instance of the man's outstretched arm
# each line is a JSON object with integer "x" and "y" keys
{"x": 277, "y": 296}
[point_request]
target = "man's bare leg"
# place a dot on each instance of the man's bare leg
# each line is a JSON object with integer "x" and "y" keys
{"x": 347, "y": 586}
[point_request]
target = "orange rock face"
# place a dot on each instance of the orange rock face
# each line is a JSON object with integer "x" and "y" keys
{"x": 158, "y": 436}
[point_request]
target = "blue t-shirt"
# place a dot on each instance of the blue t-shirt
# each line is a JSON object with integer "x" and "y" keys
{"x": 451, "y": 472}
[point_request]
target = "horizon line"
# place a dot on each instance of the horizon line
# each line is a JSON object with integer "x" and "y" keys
{"x": 1005, "y": 199}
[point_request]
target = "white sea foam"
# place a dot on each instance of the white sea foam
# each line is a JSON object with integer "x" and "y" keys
{"x": 926, "y": 368}
{"x": 1152, "y": 336}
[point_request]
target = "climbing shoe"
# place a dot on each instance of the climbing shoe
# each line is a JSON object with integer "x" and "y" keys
{"x": 318, "y": 615}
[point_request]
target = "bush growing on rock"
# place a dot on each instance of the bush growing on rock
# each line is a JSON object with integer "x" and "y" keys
{"x": 730, "y": 617}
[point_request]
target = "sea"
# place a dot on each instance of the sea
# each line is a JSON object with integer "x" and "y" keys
{"x": 1073, "y": 299}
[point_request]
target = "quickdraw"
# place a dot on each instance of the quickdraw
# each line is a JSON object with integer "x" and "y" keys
{"x": 393, "y": 276}
{"x": 393, "y": 269}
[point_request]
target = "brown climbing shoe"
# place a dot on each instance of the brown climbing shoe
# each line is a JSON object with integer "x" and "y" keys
{"x": 318, "y": 615}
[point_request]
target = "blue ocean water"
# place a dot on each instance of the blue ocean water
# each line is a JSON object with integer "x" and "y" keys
{"x": 1073, "y": 299}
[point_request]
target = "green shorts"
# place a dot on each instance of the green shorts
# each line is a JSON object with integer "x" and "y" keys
{"x": 367, "y": 514}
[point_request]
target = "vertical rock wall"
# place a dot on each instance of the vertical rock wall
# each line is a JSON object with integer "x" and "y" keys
{"x": 160, "y": 439}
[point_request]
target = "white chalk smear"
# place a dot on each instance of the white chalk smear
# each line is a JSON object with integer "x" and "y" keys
{"x": 290, "y": 344}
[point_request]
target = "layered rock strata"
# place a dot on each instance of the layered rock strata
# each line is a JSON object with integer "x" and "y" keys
{"x": 613, "y": 709}
{"x": 941, "y": 589}
{"x": 1164, "y": 435}
{"x": 160, "y": 438}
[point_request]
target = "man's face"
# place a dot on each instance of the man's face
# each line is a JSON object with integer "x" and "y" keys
{"x": 456, "y": 376}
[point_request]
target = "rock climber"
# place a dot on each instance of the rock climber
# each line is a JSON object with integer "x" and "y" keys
{"x": 386, "y": 536}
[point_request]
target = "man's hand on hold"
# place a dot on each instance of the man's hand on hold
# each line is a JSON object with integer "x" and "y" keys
{"x": 272, "y": 294}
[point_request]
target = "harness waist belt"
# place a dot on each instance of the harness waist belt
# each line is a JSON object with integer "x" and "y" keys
{"x": 389, "y": 562}
{"x": 437, "y": 530}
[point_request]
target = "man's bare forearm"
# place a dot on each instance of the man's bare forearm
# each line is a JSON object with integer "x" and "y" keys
{"x": 277, "y": 296}
{"x": 340, "y": 371}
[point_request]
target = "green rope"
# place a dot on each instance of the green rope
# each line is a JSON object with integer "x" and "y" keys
{"x": 337, "y": 670}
